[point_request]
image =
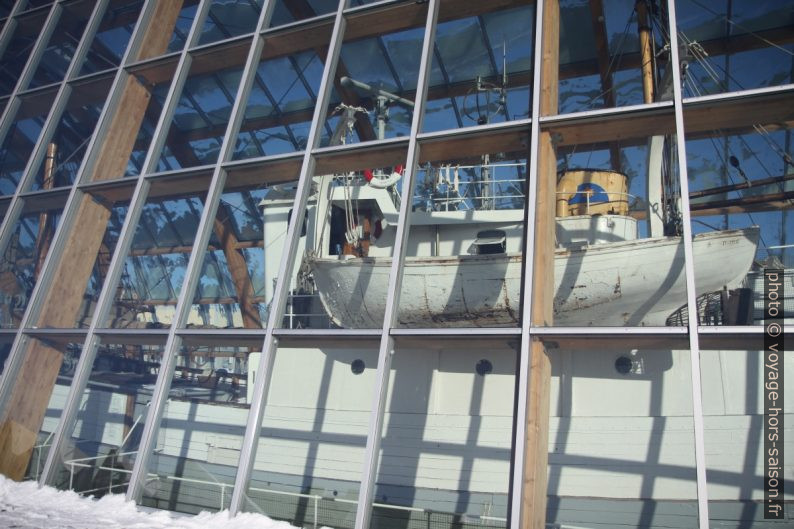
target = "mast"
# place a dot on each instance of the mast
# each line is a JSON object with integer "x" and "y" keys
{"x": 654, "y": 209}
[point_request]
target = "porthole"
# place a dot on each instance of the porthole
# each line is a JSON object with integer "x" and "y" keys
{"x": 357, "y": 366}
{"x": 484, "y": 367}
{"x": 624, "y": 365}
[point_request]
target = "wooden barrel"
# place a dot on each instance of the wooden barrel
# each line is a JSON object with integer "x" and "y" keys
{"x": 591, "y": 192}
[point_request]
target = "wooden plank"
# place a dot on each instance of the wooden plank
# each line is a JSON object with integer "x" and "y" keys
{"x": 159, "y": 30}
{"x": 537, "y": 428}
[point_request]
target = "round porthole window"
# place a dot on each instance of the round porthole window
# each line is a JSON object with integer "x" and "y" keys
{"x": 624, "y": 365}
{"x": 357, "y": 366}
{"x": 484, "y": 367}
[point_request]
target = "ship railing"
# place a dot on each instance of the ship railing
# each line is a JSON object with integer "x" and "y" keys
{"x": 314, "y": 498}
{"x": 83, "y": 462}
{"x": 38, "y": 449}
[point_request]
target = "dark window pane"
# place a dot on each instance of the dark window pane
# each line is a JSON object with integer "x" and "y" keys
{"x": 16, "y": 54}
{"x": 229, "y": 18}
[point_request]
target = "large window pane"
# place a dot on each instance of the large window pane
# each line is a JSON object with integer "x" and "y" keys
{"x": 612, "y": 53}
{"x": 21, "y": 138}
{"x": 200, "y": 119}
{"x": 42, "y": 386}
{"x": 740, "y": 190}
{"x": 619, "y": 256}
{"x": 464, "y": 253}
{"x": 310, "y": 454}
{"x": 621, "y": 437}
{"x": 20, "y": 266}
{"x": 345, "y": 249}
{"x": 112, "y": 36}
{"x": 231, "y": 288}
{"x": 154, "y": 269}
{"x": 376, "y": 79}
{"x": 102, "y": 444}
{"x": 280, "y": 108}
{"x": 67, "y": 146}
{"x": 733, "y": 45}
{"x": 62, "y": 44}
{"x": 482, "y": 67}
{"x": 201, "y": 432}
{"x": 733, "y": 409}
{"x": 445, "y": 450}
{"x": 229, "y": 18}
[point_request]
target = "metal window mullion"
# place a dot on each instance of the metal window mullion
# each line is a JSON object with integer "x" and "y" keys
{"x": 265, "y": 371}
{"x": 14, "y": 362}
{"x": 86, "y": 360}
{"x": 516, "y": 488}
{"x": 386, "y": 349}
{"x": 689, "y": 269}
{"x": 106, "y": 296}
{"x": 194, "y": 265}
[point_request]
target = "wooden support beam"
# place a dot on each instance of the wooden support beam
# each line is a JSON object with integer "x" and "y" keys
{"x": 537, "y": 428}
{"x": 36, "y": 378}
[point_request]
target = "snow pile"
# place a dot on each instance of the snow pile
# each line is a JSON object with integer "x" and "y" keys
{"x": 25, "y": 505}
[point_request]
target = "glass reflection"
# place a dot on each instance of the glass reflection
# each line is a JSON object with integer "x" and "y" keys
{"x": 229, "y": 18}
{"x": 21, "y": 138}
{"x": 231, "y": 288}
{"x": 621, "y": 416}
{"x": 730, "y": 45}
{"x": 62, "y": 44}
{"x": 201, "y": 431}
{"x": 740, "y": 184}
{"x": 67, "y": 146}
{"x": 375, "y": 82}
{"x": 463, "y": 257}
{"x": 102, "y": 444}
{"x": 619, "y": 258}
{"x": 612, "y": 53}
{"x": 22, "y": 261}
{"x": 51, "y": 379}
{"x": 281, "y": 105}
{"x": 154, "y": 269}
{"x": 447, "y": 432}
{"x": 341, "y": 273}
{"x": 733, "y": 421}
{"x": 310, "y": 453}
{"x": 199, "y": 122}
{"x": 287, "y": 11}
{"x": 481, "y": 68}
{"x": 112, "y": 36}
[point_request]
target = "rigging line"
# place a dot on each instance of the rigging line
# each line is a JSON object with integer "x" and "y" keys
{"x": 721, "y": 132}
{"x": 749, "y": 32}
{"x": 779, "y": 150}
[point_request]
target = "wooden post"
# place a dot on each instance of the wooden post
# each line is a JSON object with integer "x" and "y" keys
{"x": 27, "y": 404}
{"x": 646, "y": 53}
{"x": 537, "y": 430}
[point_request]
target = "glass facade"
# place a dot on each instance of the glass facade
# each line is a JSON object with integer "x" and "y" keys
{"x": 396, "y": 264}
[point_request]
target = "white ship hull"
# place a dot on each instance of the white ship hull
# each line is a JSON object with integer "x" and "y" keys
{"x": 636, "y": 282}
